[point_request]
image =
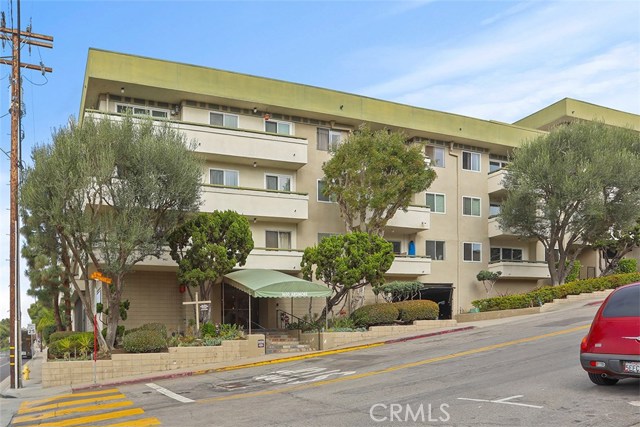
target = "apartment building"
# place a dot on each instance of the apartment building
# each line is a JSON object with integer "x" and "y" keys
{"x": 264, "y": 141}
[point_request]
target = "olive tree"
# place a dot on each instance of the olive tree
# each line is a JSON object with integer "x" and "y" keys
{"x": 372, "y": 175}
{"x": 111, "y": 190}
{"x": 570, "y": 187}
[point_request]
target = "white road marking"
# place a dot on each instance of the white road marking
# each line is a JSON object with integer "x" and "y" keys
{"x": 635, "y": 403}
{"x": 169, "y": 393}
{"x": 503, "y": 401}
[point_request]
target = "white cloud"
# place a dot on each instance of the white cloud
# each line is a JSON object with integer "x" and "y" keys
{"x": 523, "y": 63}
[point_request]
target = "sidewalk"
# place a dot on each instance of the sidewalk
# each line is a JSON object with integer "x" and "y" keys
{"x": 11, "y": 399}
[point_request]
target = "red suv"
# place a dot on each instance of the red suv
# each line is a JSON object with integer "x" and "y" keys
{"x": 611, "y": 350}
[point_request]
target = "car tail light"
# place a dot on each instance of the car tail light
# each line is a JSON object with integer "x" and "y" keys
{"x": 583, "y": 344}
{"x": 597, "y": 364}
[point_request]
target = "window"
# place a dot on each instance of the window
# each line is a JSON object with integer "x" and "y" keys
{"x": 436, "y": 202}
{"x": 494, "y": 209}
{"x": 278, "y": 182}
{"x": 328, "y": 139}
{"x": 142, "y": 111}
{"x": 471, "y": 161}
{"x": 221, "y": 119}
{"x": 623, "y": 303}
{"x": 278, "y": 239}
{"x": 471, "y": 206}
{"x": 228, "y": 178}
{"x": 322, "y": 197}
{"x": 436, "y": 154}
{"x": 495, "y": 165}
{"x": 506, "y": 254}
{"x": 435, "y": 249}
{"x": 283, "y": 128}
{"x": 397, "y": 246}
{"x": 472, "y": 252}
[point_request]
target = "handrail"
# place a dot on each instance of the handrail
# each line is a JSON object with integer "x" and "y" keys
{"x": 264, "y": 190}
{"x": 280, "y": 318}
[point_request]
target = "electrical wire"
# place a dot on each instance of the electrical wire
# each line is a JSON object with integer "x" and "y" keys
{"x": 34, "y": 83}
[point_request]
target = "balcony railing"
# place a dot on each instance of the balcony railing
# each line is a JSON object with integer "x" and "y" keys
{"x": 520, "y": 269}
{"x": 411, "y": 266}
{"x": 415, "y": 219}
{"x": 285, "y": 260}
{"x": 494, "y": 183}
{"x": 256, "y": 203}
{"x": 238, "y": 145}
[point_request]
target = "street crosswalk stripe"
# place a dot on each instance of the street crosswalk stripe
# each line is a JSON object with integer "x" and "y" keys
{"x": 66, "y": 396}
{"x": 63, "y": 412}
{"x": 93, "y": 418}
{"x": 144, "y": 422}
{"x": 97, "y": 399}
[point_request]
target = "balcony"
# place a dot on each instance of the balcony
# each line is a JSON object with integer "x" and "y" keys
{"x": 495, "y": 230}
{"x": 494, "y": 183}
{"x": 520, "y": 269}
{"x": 410, "y": 266}
{"x": 256, "y": 203}
{"x": 414, "y": 220}
{"x": 285, "y": 260}
{"x": 237, "y": 145}
{"x": 243, "y": 146}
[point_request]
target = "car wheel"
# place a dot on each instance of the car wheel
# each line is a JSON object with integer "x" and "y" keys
{"x": 600, "y": 380}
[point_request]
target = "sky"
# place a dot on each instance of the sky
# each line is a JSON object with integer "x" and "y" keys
{"x": 494, "y": 60}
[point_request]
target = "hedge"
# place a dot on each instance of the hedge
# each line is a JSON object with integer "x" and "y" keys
{"x": 417, "y": 310}
{"x": 547, "y": 294}
{"x": 144, "y": 341}
{"x": 375, "y": 314}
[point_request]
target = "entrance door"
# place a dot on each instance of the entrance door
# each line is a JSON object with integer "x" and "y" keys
{"x": 440, "y": 294}
{"x": 235, "y": 308}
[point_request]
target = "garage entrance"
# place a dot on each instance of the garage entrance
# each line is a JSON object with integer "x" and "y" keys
{"x": 441, "y": 294}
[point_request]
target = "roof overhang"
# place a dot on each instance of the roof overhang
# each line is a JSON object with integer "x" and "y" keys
{"x": 273, "y": 284}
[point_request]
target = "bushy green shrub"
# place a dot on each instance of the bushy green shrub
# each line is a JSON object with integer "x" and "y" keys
{"x": 208, "y": 329}
{"x": 375, "y": 314}
{"x": 417, "y": 310}
{"x": 60, "y": 335}
{"x": 627, "y": 265}
{"x": 145, "y": 341}
{"x": 47, "y": 331}
{"x": 71, "y": 344}
{"x": 119, "y": 331}
{"x": 574, "y": 274}
{"x": 547, "y": 294}
{"x": 157, "y": 327}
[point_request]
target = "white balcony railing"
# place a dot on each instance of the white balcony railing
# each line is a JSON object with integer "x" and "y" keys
{"x": 520, "y": 269}
{"x": 238, "y": 145}
{"x": 415, "y": 219}
{"x": 494, "y": 183}
{"x": 256, "y": 203}
{"x": 410, "y": 266}
{"x": 285, "y": 260}
{"x": 267, "y": 149}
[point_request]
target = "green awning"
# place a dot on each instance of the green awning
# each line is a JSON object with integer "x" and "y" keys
{"x": 274, "y": 284}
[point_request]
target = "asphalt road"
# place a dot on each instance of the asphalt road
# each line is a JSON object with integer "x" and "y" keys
{"x": 522, "y": 373}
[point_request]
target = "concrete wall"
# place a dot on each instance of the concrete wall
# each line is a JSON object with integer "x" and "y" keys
{"x": 130, "y": 365}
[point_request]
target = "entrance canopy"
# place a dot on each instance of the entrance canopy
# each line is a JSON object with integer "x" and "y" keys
{"x": 274, "y": 284}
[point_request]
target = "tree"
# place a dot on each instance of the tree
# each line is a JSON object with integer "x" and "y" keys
{"x": 615, "y": 246}
{"x": 372, "y": 174}
{"x": 568, "y": 188}
{"x": 208, "y": 246}
{"x": 5, "y": 330}
{"x": 47, "y": 276}
{"x": 347, "y": 262}
{"x": 488, "y": 279}
{"x": 112, "y": 190}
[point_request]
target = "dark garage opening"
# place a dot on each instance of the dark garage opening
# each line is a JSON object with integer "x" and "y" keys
{"x": 441, "y": 294}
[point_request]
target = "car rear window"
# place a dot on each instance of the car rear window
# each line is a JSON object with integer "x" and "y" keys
{"x": 624, "y": 303}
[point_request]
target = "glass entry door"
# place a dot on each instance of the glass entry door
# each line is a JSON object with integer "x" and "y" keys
{"x": 235, "y": 307}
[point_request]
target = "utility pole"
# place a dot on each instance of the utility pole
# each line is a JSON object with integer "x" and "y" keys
{"x": 17, "y": 38}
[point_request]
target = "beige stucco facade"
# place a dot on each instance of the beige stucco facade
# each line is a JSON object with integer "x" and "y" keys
{"x": 247, "y": 156}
